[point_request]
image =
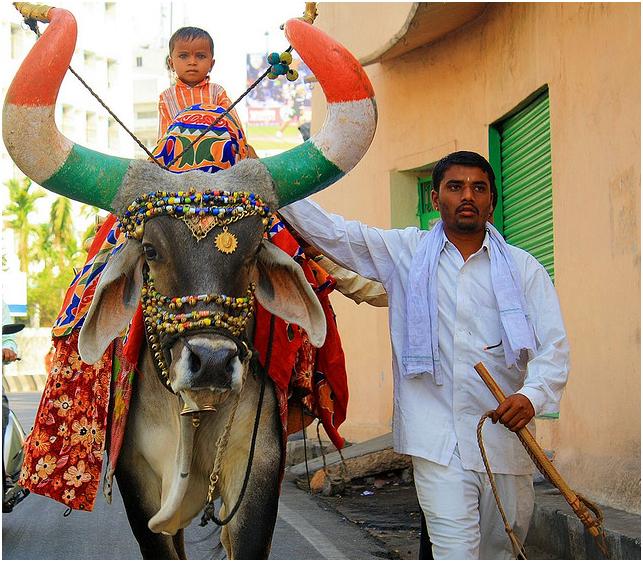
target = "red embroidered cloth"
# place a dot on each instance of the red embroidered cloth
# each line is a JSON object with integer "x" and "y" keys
{"x": 64, "y": 452}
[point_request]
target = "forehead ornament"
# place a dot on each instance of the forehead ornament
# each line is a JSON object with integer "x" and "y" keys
{"x": 226, "y": 242}
{"x": 201, "y": 211}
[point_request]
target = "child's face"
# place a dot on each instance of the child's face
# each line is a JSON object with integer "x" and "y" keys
{"x": 191, "y": 60}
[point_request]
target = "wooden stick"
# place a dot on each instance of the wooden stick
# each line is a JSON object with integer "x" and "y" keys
{"x": 543, "y": 463}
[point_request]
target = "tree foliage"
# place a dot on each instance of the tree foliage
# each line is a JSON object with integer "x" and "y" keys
{"x": 22, "y": 202}
{"x": 48, "y": 251}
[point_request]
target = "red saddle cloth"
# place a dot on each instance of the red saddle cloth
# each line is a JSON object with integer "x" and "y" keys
{"x": 64, "y": 451}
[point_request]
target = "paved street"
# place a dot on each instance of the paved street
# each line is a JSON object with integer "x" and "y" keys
{"x": 38, "y": 530}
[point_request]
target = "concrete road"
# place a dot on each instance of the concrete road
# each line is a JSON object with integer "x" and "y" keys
{"x": 37, "y": 529}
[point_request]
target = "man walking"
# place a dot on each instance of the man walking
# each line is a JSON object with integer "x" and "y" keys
{"x": 458, "y": 295}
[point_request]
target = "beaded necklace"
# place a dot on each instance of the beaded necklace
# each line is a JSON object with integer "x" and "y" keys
{"x": 161, "y": 320}
{"x": 200, "y": 210}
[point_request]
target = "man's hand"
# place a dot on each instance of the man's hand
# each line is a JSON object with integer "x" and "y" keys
{"x": 8, "y": 355}
{"x": 515, "y": 412}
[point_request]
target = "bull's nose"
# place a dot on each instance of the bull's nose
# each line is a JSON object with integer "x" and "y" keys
{"x": 211, "y": 366}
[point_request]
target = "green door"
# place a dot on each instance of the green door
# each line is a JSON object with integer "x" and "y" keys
{"x": 426, "y": 213}
{"x": 522, "y": 152}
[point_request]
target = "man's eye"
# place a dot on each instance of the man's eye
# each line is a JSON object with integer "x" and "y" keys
{"x": 150, "y": 252}
{"x": 480, "y": 188}
{"x": 453, "y": 187}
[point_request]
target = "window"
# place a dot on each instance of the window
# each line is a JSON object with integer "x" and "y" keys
{"x": 427, "y": 214}
{"x": 112, "y": 67}
{"x": 520, "y": 154}
{"x": 68, "y": 120}
{"x": 89, "y": 58}
{"x": 16, "y": 41}
{"x": 139, "y": 61}
{"x": 91, "y": 127}
{"x": 112, "y": 133}
{"x": 146, "y": 114}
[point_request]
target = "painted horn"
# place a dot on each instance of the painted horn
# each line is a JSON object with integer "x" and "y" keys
{"x": 28, "y": 128}
{"x": 350, "y": 120}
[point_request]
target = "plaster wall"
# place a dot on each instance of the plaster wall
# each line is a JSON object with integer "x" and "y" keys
{"x": 443, "y": 97}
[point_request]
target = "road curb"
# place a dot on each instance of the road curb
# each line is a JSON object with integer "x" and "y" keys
{"x": 557, "y": 530}
{"x": 23, "y": 383}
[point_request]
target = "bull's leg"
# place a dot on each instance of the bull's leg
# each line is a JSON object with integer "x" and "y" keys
{"x": 249, "y": 533}
{"x": 179, "y": 545}
{"x": 140, "y": 489}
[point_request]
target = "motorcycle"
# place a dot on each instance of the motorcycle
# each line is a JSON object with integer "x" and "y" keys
{"x": 12, "y": 447}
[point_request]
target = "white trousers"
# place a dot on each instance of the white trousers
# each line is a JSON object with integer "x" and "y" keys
{"x": 461, "y": 513}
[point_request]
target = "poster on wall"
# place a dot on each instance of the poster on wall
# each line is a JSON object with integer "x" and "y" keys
{"x": 279, "y": 111}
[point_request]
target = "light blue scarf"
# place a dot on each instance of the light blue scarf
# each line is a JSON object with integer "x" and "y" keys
{"x": 421, "y": 355}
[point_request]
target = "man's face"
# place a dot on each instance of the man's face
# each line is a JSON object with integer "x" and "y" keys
{"x": 191, "y": 60}
{"x": 464, "y": 199}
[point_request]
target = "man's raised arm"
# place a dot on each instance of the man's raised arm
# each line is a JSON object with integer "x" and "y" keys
{"x": 371, "y": 252}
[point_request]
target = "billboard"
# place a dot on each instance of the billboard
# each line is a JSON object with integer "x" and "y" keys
{"x": 277, "y": 109}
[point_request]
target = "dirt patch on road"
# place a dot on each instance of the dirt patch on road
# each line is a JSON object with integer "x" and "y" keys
{"x": 386, "y": 507}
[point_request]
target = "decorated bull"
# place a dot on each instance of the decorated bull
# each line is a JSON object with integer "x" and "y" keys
{"x": 196, "y": 257}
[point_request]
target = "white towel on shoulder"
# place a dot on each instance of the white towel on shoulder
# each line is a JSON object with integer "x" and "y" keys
{"x": 421, "y": 355}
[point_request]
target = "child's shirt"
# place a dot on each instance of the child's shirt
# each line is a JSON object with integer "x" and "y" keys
{"x": 180, "y": 96}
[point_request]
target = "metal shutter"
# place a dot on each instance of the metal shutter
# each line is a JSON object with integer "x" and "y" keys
{"x": 525, "y": 157}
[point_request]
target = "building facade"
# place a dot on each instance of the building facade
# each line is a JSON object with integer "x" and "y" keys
{"x": 551, "y": 94}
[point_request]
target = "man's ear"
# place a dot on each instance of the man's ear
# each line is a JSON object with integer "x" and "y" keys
{"x": 434, "y": 199}
{"x": 170, "y": 63}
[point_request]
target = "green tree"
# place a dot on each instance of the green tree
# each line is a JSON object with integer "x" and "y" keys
{"x": 47, "y": 288}
{"x": 42, "y": 249}
{"x": 22, "y": 202}
{"x": 62, "y": 224}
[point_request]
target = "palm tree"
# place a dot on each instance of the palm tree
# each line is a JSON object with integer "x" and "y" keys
{"x": 42, "y": 249}
{"x": 22, "y": 204}
{"x": 61, "y": 221}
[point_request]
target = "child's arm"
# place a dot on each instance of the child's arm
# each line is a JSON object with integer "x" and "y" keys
{"x": 164, "y": 117}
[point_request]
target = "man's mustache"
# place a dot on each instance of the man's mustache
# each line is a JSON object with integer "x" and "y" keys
{"x": 467, "y": 207}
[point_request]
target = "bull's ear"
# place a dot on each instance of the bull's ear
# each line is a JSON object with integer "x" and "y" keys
{"x": 114, "y": 303}
{"x": 282, "y": 289}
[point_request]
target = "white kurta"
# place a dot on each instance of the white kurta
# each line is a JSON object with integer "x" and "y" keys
{"x": 429, "y": 420}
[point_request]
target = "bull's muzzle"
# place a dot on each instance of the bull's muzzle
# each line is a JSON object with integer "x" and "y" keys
{"x": 204, "y": 370}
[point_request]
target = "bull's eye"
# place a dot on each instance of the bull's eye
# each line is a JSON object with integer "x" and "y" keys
{"x": 150, "y": 252}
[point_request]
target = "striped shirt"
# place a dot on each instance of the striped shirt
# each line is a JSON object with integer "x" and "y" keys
{"x": 180, "y": 96}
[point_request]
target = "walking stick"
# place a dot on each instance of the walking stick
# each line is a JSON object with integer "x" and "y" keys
{"x": 580, "y": 505}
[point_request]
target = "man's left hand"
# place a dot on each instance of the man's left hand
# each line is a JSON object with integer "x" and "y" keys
{"x": 515, "y": 412}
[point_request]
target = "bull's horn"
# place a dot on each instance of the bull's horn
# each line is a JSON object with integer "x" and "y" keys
{"x": 350, "y": 120}
{"x": 29, "y": 130}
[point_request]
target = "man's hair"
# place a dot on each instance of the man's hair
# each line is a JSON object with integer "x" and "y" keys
{"x": 189, "y": 34}
{"x": 465, "y": 158}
